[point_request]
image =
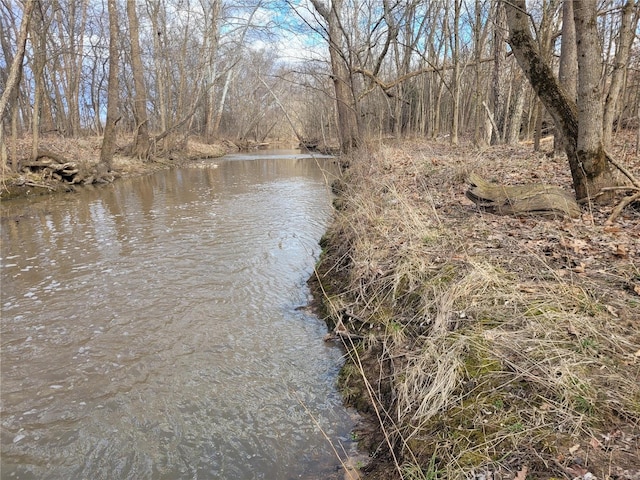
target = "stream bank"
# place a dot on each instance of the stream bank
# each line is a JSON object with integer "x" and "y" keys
{"x": 482, "y": 346}
{"x": 65, "y": 164}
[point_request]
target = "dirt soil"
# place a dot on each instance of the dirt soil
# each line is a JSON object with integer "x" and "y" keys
{"x": 484, "y": 346}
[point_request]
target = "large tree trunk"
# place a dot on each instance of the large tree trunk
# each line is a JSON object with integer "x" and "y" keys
{"x": 109, "y": 139}
{"x": 581, "y": 131}
{"x": 141, "y": 142}
{"x": 348, "y": 129}
{"x": 591, "y": 154}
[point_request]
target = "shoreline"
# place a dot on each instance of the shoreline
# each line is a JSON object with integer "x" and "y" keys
{"x": 435, "y": 302}
{"x": 84, "y": 153}
{"x": 478, "y": 344}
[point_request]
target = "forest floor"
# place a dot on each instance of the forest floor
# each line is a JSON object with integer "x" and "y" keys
{"x": 83, "y": 154}
{"x": 483, "y": 346}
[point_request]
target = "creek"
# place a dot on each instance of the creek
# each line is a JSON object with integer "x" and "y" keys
{"x": 153, "y": 329}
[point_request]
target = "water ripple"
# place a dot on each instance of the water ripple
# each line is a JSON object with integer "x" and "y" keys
{"x": 149, "y": 329}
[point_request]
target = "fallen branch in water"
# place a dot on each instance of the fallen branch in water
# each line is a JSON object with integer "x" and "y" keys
{"x": 30, "y": 183}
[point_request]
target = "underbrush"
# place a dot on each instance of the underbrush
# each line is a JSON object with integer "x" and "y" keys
{"x": 482, "y": 346}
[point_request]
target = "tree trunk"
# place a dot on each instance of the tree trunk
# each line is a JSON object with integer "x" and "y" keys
{"x": 499, "y": 76}
{"x": 39, "y": 44}
{"x": 478, "y": 132}
{"x": 157, "y": 16}
{"x": 73, "y": 58}
{"x": 455, "y": 117}
{"x": 15, "y": 73}
{"x": 141, "y": 143}
{"x": 515, "y": 118}
{"x": 568, "y": 71}
{"x": 628, "y": 24}
{"x": 537, "y": 129}
{"x": 348, "y": 130}
{"x": 16, "y": 66}
{"x": 590, "y": 146}
{"x": 109, "y": 139}
{"x": 211, "y": 42}
{"x": 223, "y": 99}
{"x": 587, "y": 161}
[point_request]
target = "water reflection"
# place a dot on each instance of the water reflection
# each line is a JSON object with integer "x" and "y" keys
{"x": 150, "y": 329}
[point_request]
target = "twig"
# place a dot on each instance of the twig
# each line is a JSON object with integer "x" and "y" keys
{"x": 627, "y": 200}
{"x": 352, "y": 316}
{"x": 493, "y": 121}
{"x": 375, "y": 402}
{"x": 342, "y": 332}
{"x": 626, "y": 172}
{"x": 352, "y": 351}
{"x": 284, "y": 110}
{"x": 345, "y": 466}
{"x": 623, "y": 203}
{"x": 604, "y": 190}
{"x": 622, "y": 187}
{"x": 30, "y": 183}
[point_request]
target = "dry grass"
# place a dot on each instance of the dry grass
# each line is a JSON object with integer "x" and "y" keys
{"x": 491, "y": 344}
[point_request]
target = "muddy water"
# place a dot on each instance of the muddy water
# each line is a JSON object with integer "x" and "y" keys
{"x": 150, "y": 328}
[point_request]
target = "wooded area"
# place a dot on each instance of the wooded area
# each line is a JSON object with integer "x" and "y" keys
{"x": 324, "y": 71}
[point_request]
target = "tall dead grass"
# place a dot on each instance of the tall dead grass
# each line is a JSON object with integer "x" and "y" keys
{"x": 478, "y": 361}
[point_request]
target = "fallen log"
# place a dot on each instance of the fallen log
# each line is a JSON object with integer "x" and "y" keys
{"x": 42, "y": 153}
{"x": 534, "y": 199}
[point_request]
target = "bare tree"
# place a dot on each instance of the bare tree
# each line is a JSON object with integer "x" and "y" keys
{"x": 73, "y": 62}
{"x": 109, "y": 139}
{"x": 456, "y": 84}
{"x": 39, "y": 43}
{"x": 15, "y": 73}
{"x": 348, "y": 128}
{"x": 499, "y": 80}
{"x": 628, "y": 24}
{"x": 568, "y": 70}
{"x": 141, "y": 142}
{"x": 211, "y": 38}
{"x": 157, "y": 16}
{"x": 590, "y": 139}
{"x": 581, "y": 124}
